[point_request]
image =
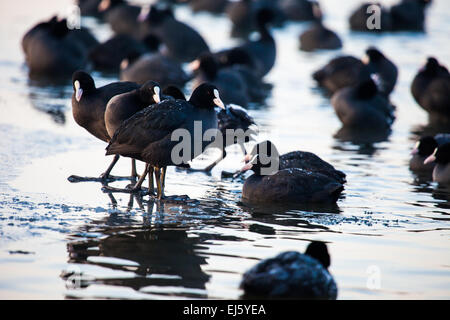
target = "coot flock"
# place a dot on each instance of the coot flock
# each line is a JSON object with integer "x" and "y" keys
{"x": 158, "y": 58}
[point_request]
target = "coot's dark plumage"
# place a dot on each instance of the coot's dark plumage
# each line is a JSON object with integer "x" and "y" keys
{"x": 303, "y": 160}
{"x": 233, "y": 118}
{"x": 107, "y": 56}
{"x": 299, "y": 10}
{"x": 318, "y": 36}
{"x": 409, "y": 15}
{"x": 430, "y": 88}
{"x": 385, "y": 69}
{"x": 153, "y": 66}
{"x": 212, "y": 6}
{"x": 230, "y": 83}
{"x": 146, "y": 136}
{"x": 340, "y": 72}
{"x": 292, "y": 275}
{"x": 240, "y": 15}
{"x": 183, "y": 43}
{"x": 89, "y": 8}
{"x": 121, "y": 16}
{"x": 50, "y": 51}
{"x": 240, "y": 61}
{"x": 123, "y": 106}
{"x": 263, "y": 50}
{"x": 441, "y": 158}
{"x": 361, "y": 16}
{"x": 89, "y": 103}
{"x": 348, "y": 71}
{"x": 424, "y": 148}
{"x": 269, "y": 184}
{"x": 362, "y": 106}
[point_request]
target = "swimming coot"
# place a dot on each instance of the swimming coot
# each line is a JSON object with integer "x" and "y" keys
{"x": 147, "y": 135}
{"x": 423, "y": 149}
{"x": 300, "y": 159}
{"x": 441, "y": 158}
{"x": 271, "y": 184}
{"x": 345, "y": 71}
{"x": 318, "y": 36}
{"x": 292, "y": 275}
{"x": 182, "y": 42}
{"x": 107, "y": 56}
{"x": 89, "y": 104}
{"x": 386, "y": 71}
{"x": 430, "y": 88}
{"x": 230, "y": 83}
{"x": 211, "y": 6}
{"x": 263, "y": 50}
{"x": 340, "y": 72}
{"x": 121, "y": 16}
{"x": 139, "y": 68}
{"x": 364, "y": 18}
{"x": 409, "y": 15}
{"x": 50, "y": 51}
{"x": 362, "y": 106}
{"x": 299, "y": 10}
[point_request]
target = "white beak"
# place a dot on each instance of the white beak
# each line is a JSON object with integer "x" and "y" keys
{"x": 124, "y": 64}
{"x": 103, "y": 5}
{"x": 156, "y": 96}
{"x": 143, "y": 14}
{"x": 78, "y": 94}
{"x": 194, "y": 65}
{"x": 78, "y": 90}
{"x": 217, "y": 100}
{"x": 431, "y": 158}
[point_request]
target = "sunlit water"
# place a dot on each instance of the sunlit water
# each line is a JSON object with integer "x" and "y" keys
{"x": 388, "y": 235}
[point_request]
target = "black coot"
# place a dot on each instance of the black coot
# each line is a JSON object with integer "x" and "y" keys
{"x": 52, "y": 49}
{"x": 182, "y": 42}
{"x": 240, "y": 15}
{"x": 139, "y": 68}
{"x": 300, "y": 159}
{"x": 299, "y": 10}
{"x": 424, "y": 148}
{"x": 240, "y": 61}
{"x": 147, "y": 135}
{"x": 430, "y": 88}
{"x": 348, "y": 71}
{"x": 363, "y": 107}
{"x": 409, "y": 15}
{"x": 89, "y": 104}
{"x": 233, "y": 118}
{"x": 123, "y": 106}
{"x": 212, "y": 6}
{"x": 386, "y": 71}
{"x": 441, "y": 158}
{"x": 270, "y": 184}
{"x": 360, "y": 18}
{"x": 318, "y": 36}
{"x": 292, "y": 275}
{"x": 107, "y": 56}
{"x": 340, "y": 72}
{"x": 263, "y": 50}
{"x": 231, "y": 85}
{"x": 121, "y": 16}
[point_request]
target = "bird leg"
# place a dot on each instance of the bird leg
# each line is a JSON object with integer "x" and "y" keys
{"x": 105, "y": 177}
{"x": 130, "y": 189}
